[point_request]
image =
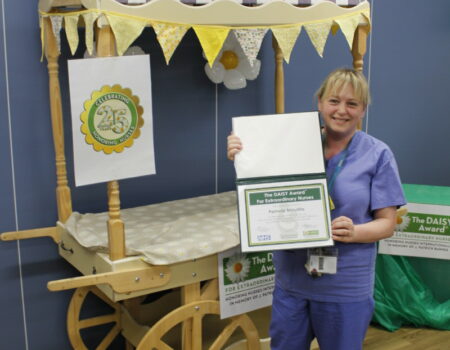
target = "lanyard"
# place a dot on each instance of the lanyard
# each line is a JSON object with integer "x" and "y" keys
{"x": 339, "y": 166}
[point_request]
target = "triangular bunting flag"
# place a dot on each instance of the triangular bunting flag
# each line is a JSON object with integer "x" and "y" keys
{"x": 318, "y": 34}
{"x": 125, "y": 30}
{"x": 212, "y": 40}
{"x": 71, "y": 27}
{"x": 286, "y": 38}
{"x": 169, "y": 37}
{"x": 89, "y": 19}
{"x": 56, "y": 27}
{"x": 250, "y": 41}
{"x": 348, "y": 26}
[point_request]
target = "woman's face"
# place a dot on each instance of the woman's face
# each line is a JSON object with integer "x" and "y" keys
{"x": 341, "y": 112}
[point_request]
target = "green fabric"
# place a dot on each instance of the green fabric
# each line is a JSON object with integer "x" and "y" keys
{"x": 437, "y": 195}
{"x": 401, "y": 297}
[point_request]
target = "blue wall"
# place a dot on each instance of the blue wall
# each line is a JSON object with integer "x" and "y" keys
{"x": 408, "y": 67}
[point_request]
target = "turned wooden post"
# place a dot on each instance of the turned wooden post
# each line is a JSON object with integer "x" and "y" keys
{"x": 279, "y": 77}
{"x": 359, "y": 46}
{"x": 116, "y": 227}
{"x": 63, "y": 195}
{"x": 359, "y": 50}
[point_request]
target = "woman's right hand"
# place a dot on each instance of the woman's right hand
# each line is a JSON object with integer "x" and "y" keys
{"x": 234, "y": 146}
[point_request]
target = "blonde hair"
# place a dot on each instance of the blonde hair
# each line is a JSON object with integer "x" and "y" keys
{"x": 339, "y": 78}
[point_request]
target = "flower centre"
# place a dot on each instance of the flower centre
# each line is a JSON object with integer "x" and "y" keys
{"x": 229, "y": 59}
{"x": 237, "y": 267}
{"x": 399, "y": 220}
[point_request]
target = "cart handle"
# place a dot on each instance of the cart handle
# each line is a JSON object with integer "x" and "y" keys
{"x": 35, "y": 233}
{"x": 120, "y": 281}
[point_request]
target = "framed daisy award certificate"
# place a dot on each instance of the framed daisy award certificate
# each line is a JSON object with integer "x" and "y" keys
{"x": 281, "y": 183}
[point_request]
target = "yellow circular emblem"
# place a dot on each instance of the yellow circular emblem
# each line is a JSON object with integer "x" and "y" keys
{"x": 112, "y": 119}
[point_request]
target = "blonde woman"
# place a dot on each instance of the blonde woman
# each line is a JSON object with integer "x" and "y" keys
{"x": 363, "y": 181}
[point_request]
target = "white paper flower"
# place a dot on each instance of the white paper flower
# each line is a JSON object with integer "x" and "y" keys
{"x": 232, "y": 67}
{"x": 402, "y": 219}
{"x": 238, "y": 267}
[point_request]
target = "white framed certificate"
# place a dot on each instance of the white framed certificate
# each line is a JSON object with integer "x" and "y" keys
{"x": 283, "y": 200}
{"x": 286, "y": 214}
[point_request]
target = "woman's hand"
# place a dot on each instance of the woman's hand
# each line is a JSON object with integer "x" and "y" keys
{"x": 234, "y": 146}
{"x": 381, "y": 227}
{"x": 342, "y": 229}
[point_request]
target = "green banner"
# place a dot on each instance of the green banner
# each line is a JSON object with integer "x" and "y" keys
{"x": 437, "y": 195}
{"x": 244, "y": 267}
{"x": 284, "y": 196}
{"x": 428, "y": 223}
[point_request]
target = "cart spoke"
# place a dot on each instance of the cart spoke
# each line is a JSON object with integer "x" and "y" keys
{"x": 97, "y": 321}
{"x": 161, "y": 346}
{"x": 225, "y": 334}
{"x": 112, "y": 334}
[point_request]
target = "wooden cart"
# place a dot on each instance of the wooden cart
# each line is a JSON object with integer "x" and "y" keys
{"x": 123, "y": 282}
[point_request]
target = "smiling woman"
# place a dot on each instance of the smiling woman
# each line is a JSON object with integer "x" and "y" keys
{"x": 365, "y": 187}
{"x": 342, "y": 101}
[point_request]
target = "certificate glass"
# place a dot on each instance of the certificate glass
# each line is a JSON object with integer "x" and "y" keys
{"x": 290, "y": 210}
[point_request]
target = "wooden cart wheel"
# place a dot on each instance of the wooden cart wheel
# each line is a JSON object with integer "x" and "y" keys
{"x": 75, "y": 324}
{"x": 195, "y": 311}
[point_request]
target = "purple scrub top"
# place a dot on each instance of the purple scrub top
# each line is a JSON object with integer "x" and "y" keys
{"x": 368, "y": 181}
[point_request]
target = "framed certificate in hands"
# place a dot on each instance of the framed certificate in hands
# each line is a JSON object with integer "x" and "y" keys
{"x": 281, "y": 183}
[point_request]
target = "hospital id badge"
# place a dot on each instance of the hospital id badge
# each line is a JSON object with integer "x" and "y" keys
{"x": 321, "y": 260}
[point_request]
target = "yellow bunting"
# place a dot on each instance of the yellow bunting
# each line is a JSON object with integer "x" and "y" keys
{"x": 318, "y": 34}
{"x": 56, "y": 28}
{"x": 211, "y": 39}
{"x": 250, "y": 40}
{"x": 89, "y": 19}
{"x": 71, "y": 27}
{"x": 348, "y": 26}
{"x": 169, "y": 37}
{"x": 286, "y": 38}
{"x": 125, "y": 30}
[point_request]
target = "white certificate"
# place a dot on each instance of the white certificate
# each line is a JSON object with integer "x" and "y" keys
{"x": 278, "y": 145}
{"x": 284, "y": 215}
{"x": 282, "y": 188}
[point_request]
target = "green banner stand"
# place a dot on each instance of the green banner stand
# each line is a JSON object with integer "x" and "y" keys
{"x": 409, "y": 290}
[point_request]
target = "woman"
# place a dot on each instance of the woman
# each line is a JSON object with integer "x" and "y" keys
{"x": 365, "y": 188}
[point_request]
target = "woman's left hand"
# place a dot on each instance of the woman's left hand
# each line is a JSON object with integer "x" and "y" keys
{"x": 343, "y": 229}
